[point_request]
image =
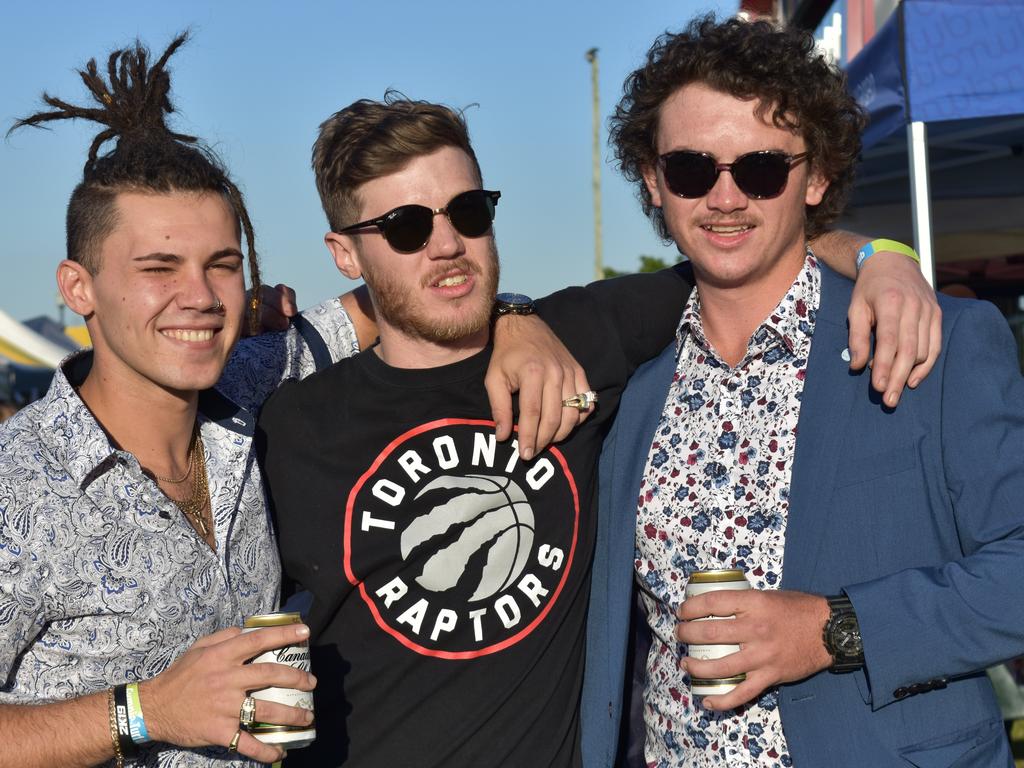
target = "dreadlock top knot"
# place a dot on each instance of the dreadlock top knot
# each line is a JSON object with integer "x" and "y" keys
{"x": 132, "y": 100}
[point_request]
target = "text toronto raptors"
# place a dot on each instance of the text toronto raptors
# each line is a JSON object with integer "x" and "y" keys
{"x": 447, "y": 492}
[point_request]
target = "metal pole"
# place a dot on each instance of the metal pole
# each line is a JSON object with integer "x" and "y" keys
{"x": 920, "y": 198}
{"x": 598, "y": 260}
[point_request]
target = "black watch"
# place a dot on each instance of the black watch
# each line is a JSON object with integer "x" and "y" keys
{"x": 512, "y": 304}
{"x": 842, "y": 635}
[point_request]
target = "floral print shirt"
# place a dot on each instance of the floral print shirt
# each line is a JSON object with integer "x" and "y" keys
{"x": 715, "y": 494}
{"x": 102, "y": 578}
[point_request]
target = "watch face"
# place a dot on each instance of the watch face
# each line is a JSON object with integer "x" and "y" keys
{"x": 846, "y": 636}
{"x": 513, "y": 298}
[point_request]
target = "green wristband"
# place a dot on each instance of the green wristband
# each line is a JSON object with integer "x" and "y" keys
{"x": 894, "y": 246}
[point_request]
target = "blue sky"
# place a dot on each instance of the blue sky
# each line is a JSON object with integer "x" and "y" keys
{"x": 258, "y": 77}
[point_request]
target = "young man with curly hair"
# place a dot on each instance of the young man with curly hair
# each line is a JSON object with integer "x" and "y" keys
{"x": 883, "y": 546}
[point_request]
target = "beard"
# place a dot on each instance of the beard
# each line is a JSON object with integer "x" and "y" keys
{"x": 396, "y": 304}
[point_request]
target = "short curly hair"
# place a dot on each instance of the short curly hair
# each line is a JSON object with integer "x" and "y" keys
{"x": 779, "y": 67}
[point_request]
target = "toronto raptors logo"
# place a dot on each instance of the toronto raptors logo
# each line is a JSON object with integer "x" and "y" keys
{"x": 459, "y": 547}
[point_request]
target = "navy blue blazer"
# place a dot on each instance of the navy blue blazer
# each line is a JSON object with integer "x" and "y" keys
{"x": 916, "y": 513}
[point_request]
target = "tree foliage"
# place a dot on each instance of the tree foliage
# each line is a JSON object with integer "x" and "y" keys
{"x": 647, "y": 264}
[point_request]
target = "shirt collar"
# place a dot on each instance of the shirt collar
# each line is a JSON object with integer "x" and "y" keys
{"x": 68, "y": 427}
{"x": 80, "y": 444}
{"x": 791, "y": 322}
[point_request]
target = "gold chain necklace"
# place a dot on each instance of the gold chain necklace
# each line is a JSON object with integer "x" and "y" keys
{"x": 193, "y": 506}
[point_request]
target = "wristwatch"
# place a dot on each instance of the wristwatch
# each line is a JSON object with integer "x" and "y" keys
{"x": 512, "y": 304}
{"x": 842, "y": 635}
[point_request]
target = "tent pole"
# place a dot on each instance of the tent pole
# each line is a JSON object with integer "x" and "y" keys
{"x": 920, "y": 198}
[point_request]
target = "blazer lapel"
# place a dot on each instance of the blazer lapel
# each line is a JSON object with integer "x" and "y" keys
{"x": 637, "y": 420}
{"x": 830, "y": 392}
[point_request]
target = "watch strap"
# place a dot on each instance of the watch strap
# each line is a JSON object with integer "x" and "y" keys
{"x": 841, "y": 612}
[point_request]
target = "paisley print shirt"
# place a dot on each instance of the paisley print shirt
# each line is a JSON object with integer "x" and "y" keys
{"x": 715, "y": 494}
{"x": 102, "y": 579}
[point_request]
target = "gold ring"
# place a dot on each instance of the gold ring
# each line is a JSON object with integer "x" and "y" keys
{"x": 247, "y": 714}
{"x": 581, "y": 401}
{"x": 233, "y": 746}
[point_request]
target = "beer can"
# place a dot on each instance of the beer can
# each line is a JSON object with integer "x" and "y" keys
{"x": 713, "y": 581}
{"x": 295, "y": 655}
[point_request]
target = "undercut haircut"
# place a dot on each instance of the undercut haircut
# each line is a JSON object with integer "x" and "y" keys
{"x": 370, "y": 139}
{"x": 798, "y": 90}
{"x": 148, "y": 157}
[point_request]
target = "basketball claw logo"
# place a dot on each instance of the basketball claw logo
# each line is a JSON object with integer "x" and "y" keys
{"x": 495, "y": 516}
{"x": 457, "y": 547}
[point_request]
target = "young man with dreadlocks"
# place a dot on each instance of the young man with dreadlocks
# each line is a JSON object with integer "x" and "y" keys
{"x": 134, "y": 537}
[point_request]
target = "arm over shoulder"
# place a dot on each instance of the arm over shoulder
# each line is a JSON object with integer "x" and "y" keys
{"x": 318, "y": 337}
{"x": 636, "y": 315}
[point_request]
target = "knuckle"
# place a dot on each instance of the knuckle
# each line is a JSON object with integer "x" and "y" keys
{"x": 713, "y": 631}
{"x": 529, "y": 409}
{"x": 761, "y": 629}
{"x": 893, "y": 295}
{"x": 532, "y": 367}
{"x": 885, "y": 336}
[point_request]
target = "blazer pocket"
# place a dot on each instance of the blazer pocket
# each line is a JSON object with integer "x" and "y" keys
{"x": 868, "y": 467}
{"x": 980, "y": 746}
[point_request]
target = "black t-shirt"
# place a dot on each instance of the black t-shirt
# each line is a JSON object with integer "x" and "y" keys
{"x": 450, "y": 578}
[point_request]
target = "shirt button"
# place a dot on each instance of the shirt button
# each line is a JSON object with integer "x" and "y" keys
{"x": 900, "y": 693}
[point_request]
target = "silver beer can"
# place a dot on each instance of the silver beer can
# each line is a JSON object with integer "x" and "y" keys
{"x": 713, "y": 581}
{"x": 295, "y": 655}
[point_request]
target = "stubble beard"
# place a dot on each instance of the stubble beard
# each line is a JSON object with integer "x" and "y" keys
{"x": 396, "y": 305}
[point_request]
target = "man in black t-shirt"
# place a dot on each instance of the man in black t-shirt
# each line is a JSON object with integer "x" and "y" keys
{"x": 449, "y": 574}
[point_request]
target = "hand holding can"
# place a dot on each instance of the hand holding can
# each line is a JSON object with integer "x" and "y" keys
{"x": 699, "y": 583}
{"x": 295, "y": 655}
{"x": 202, "y": 698}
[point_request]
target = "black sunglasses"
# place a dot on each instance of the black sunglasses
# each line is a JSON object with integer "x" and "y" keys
{"x": 407, "y": 228}
{"x": 759, "y": 175}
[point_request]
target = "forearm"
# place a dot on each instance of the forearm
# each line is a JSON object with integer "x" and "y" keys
{"x": 66, "y": 733}
{"x": 838, "y": 248}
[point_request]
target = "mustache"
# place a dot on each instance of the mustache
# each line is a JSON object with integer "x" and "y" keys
{"x": 459, "y": 264}
{"x": 727, "y": 221}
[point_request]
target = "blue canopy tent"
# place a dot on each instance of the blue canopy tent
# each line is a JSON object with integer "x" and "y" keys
{"x": 951, "y": 74}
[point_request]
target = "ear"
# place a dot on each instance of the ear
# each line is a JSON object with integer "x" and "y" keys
{"x": 817, "y": 184}
{"x": 76, "y": 288}
{"x": 650, "y": 173}
{"x": 346, "y": 255}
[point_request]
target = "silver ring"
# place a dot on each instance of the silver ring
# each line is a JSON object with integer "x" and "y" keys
{"x": 218, "y": 306}
{"x": 581, "y": 401}
{"x": 247, "y": 714}
{"x": 233, "y": 746}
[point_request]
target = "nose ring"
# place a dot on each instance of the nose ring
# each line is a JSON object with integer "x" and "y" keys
{"x": 218, "y": 306}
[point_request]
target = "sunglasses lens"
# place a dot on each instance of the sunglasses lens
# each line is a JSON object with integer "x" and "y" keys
{"x": 761, "y": 174}
{"x": 471, "y": 213}
{"x": 689, "y": 174}
{"x": 408, "y": 228}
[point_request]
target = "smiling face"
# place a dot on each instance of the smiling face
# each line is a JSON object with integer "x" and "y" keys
{"x": 152, "y": 306}
{"x": 732, "y": 240}
{"x": 441, "y": 295}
